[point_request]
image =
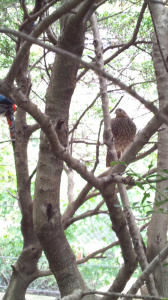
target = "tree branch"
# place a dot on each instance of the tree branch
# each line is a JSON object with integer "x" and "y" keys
{"x": 93, "y": 254}
{"x": 63, "y": 9}
{"x": 159, "y": 113}
{"x": 131, "y": 42}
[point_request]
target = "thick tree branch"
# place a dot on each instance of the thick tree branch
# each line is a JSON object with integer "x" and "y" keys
{"x": 63, "y": 9}
{"x": 98, "y": 70}
{"x": 37, "y": 14}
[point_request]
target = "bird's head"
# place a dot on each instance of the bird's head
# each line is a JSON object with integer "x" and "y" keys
{"x": 120, "y": 113}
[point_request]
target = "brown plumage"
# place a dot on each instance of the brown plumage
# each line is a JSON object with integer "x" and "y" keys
{"x": 124, "y": 130}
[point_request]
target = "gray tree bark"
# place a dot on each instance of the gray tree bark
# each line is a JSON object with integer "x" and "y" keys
{"x": 157, "y": 230}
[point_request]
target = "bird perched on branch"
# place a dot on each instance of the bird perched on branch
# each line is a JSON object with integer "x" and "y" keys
{"x": 7, "y": 108}
{"x": 123, "y": 130}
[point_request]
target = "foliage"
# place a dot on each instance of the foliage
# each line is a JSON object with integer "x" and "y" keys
{"x": 134, "y": 67}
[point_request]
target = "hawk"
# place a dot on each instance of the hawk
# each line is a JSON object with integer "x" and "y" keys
{"x": 123, "y": 130}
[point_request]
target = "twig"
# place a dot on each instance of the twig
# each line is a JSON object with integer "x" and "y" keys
{"x": 26, "y": 14}
{"x": 93, "y": 254}
{"x": 32, "y": 174}
{"x": 85, "y": 111}
{"x": 131, "y": 42}
{"x": 36, "y": 15}
{"x": 15, "y": 197}
{"x": 142, "y": 155}
{"x": 87, "y": 214}
{"x": 160, "y": 115}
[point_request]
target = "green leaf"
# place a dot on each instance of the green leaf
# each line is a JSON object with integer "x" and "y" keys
{"x": 150, "y": 166}
{"x": 140, "y": 185}
{"x": 166, "y": 264}
{"x": 164, "y": 171}
{"x": 132, "y": 174}
{"x": 104, "y": 239}
{"x": 118, "y": 162}
{"x": 159, "y": 203}
{"x": 150, "y": 212}
{"x": 145, "y": 196}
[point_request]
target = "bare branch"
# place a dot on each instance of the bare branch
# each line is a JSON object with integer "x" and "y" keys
{"x": 87, "y": 214}
{"x": 52, "y": 38}
{"x": 131, "y": 42}
{"x": 32, "y": 174}
{"x": 84, "y": 112}
{"x": 15, "y": 197}
{"x": 142, "y": 155}
{"x": 160, "y": 115}
{"x": 36, "y": 15}
{"x": 136, "y": 237}
{"x": 64, "y": 8}
{"x": 121, "y": 45}
{"x": 149, "y": 269}
{"x": 25, "y": 10}
{"x": 93, "y": 254}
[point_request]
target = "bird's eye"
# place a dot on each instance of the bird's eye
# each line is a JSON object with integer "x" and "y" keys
{"x": 120, "y": 109}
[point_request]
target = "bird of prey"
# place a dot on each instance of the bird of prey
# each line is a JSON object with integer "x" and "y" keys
{"x": 123, "y": 130}
{"x": 7, "y": 108}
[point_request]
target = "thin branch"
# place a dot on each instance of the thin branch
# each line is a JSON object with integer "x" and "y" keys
{"x": 98, "y": 70}
{"x": 36, "y": 15}
{"x": 85, "y": 111}
{"x": 45, "y": 63}
{"x": 82, "y": 142}
{"x": 121, "y": 45}
{"x": 26, "y": 14}
{"x": 31, "y": 68}
{"x": 86, "y": 214}
{"x": 93, "y": 254}
{"x": 129, "y": 180}
{"x": 63, "y": 9}
{"x": 149, "y": 269}
{"x": 142, "y": 155}
{"x": 38, "y": 96}
{"x": 32, "y": 174}
{"x": 15, "y": 197}
{"x": 131, "y": 42}
{"x": 51, "y": 36}
{"x": 145, "y": 225}
{"x": 121, "y": 295}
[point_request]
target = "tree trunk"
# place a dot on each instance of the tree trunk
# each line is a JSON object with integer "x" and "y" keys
{"x": 47, "y": 217}
{"x": 157, "y": 231}
{"x": 25, "y": 269}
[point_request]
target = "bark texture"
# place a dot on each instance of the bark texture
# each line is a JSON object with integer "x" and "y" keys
{"x": 50, "y": 230}
{"x": 157, "y": 231}
{"x": 25, "y": 269}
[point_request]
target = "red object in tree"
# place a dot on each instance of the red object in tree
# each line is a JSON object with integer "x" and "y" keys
{"x": 7, "y": 108}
